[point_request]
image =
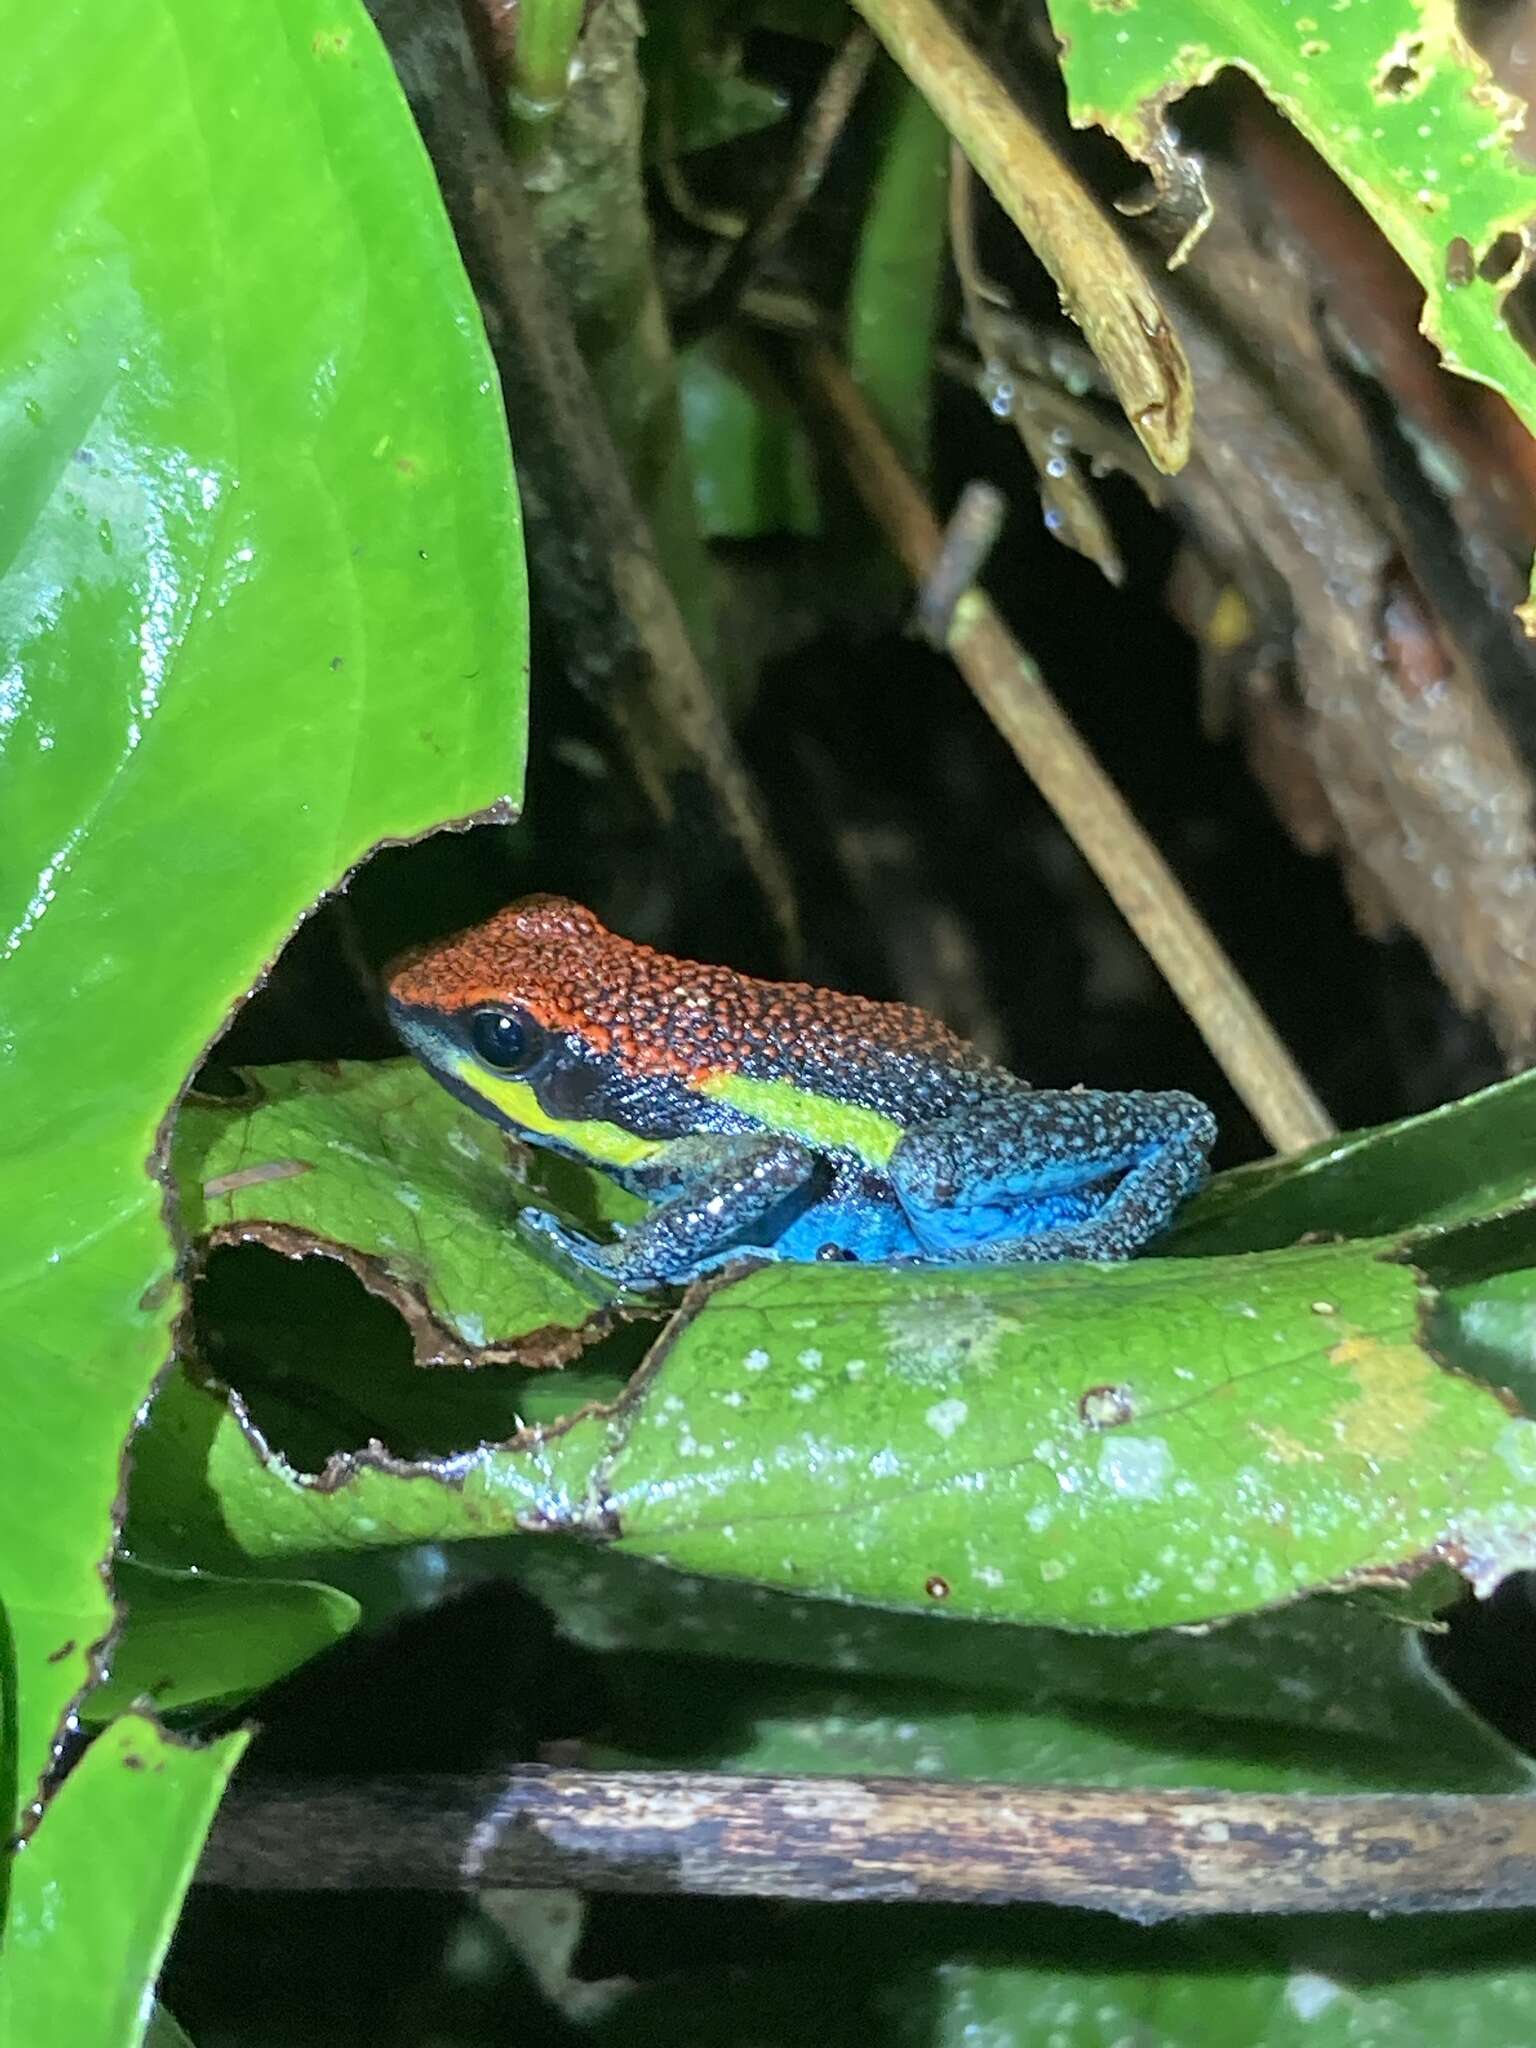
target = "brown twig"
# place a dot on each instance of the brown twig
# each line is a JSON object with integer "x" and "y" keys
{"x": 1145, "y": 1856}
{"x": 824, "y": 121}
{"x": 1012, "y": 693}
{"x": 593, "y": 556}
{"x": 969, "y": 537}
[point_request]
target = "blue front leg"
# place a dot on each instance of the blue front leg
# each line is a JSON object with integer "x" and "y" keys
{"x": 1051, "y": 1175}
{"x": 728, "y": 1196}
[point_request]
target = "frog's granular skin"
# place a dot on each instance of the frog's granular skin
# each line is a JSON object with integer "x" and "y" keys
{"x": 963, "y": 1162}
{"x": 656, "y": 1015}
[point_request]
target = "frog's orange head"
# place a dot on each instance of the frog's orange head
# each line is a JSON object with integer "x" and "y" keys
{"x": 543, "y": 968}
{"x": 535, "y": 953}
{"x": 571, "y": 1035}
{"x": 526, "y": 1017}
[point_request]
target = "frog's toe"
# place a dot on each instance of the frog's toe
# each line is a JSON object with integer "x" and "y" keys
{"x": 548, "y": 1230}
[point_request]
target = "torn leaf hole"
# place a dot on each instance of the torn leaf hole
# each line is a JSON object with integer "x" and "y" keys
{"x": 1502, "y": 257}
{"x": 1400, "y": 73}
{"x": 224, "y": 1087}
{"x": 325, "y": 1366}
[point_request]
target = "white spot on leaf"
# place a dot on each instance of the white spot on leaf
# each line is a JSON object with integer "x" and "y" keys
{"x": 945, "y": 1417}
{"x": 1135, "y": 1467}
{"x": 1309, "y": 1993}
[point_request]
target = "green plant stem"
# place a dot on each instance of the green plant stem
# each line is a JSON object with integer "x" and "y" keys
{"x": 609, "y": 584}
{"x": 587, "y": 194}
{"x": 547, "y": 34}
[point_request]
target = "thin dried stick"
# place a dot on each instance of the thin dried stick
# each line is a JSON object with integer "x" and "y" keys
{"x": 1071, "y": 510}
{"x": 1146, "y": 1856}
{"x": 1015, "y": 698}
{"x": 969, "y": 537}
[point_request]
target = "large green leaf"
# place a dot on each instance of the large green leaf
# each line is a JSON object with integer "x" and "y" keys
{"x": 95, "y": 1893}
{"x": 1165, "y": 1442}
{"x": 1391, "y": 94}
{"x": 263, "y": 606}
{"x": 1169, "y": 1441}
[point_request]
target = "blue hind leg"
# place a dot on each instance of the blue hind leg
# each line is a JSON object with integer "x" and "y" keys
{"x": 1052, "y": 1175}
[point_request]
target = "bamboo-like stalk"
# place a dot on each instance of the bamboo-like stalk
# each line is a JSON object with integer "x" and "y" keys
{"x": 1014, "y": 696}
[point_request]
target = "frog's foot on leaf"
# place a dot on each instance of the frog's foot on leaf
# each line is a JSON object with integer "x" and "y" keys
{"x": 736, "y": 1212}
{"x": 546, "y": 1232}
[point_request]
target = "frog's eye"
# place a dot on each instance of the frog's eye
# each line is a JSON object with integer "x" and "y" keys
{"x": 507, "y": 1040}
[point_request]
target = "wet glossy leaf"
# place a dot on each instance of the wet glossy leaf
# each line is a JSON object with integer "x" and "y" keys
{"x": 1164, "y": 1442}
{"x": 380, "y": 1159}
{"x": 95, "y": 1893}
{"x": 1392, "y": 95}
{"x": 1167, "y": 1442}
{"x": 260, "y": 517}
{"x": 262, "y": 606}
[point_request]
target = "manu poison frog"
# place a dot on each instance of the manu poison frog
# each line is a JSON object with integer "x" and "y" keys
{"x": 775, "y": 1119}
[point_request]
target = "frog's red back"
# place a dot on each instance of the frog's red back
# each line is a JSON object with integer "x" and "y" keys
{"x": 656, "y": 1014}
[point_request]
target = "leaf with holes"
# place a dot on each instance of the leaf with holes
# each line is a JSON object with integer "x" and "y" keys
{"x": 1391, "y": 95}
{"x": 379, "y": 1165}
{"x": 1167, "y": 1442}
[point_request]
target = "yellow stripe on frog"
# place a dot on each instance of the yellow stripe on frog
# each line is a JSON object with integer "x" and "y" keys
{"x": 604, "y": 1144}
{"x": 824, "y": 1125}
